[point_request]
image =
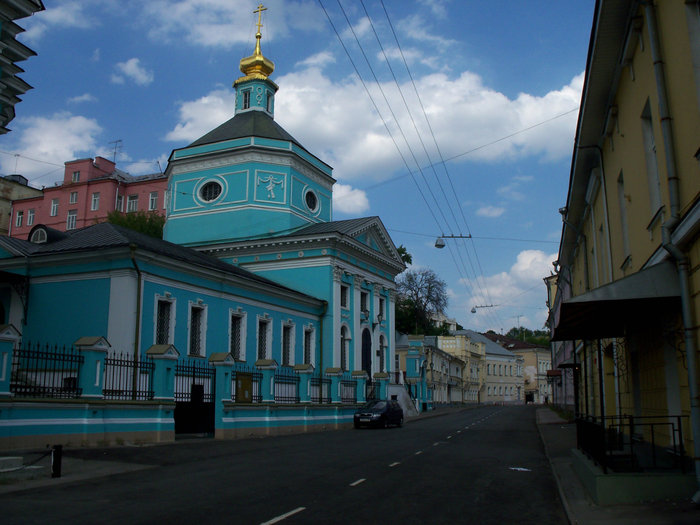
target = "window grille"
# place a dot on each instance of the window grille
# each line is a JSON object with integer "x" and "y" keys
{"x": 262, "y": 339}
{"x": 286, "y": 344}
{"x": 307, "y": 346}
{"x": 163, "y": 323}
{"x": 235, "y": 344}
{"x": 196, "y": 331}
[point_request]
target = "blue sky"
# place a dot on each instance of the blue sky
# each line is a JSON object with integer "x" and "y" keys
{"x": 498, "y": 82}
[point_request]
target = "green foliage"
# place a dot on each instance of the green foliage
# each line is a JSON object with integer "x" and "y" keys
{"x": 421, "y": 293}
{"x": 149, "y": 223}
{"x": 535, "y": 337}
{"x": 406, "y": 257}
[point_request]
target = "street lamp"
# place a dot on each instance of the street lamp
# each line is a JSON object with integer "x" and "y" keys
{"x": 483, "y": 306}
{"x": 440, "y": 241}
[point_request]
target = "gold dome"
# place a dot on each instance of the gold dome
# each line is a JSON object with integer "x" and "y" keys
{"x": 256, "y": 66}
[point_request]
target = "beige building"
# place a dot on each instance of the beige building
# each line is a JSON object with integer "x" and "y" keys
{"x": 627, "y": 300}
{"x": 536, "y": 361}
{"x": 13, "y": 187}
{"x": 444, "y": 372}
{"x": 472, "y": 353}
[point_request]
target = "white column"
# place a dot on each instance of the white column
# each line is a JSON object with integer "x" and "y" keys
{"x": 337, "y": 274}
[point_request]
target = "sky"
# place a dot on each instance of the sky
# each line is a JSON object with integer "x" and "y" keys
{"x": 442, "y": 117}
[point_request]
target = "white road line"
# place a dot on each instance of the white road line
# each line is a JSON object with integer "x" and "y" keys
{"x": 436, "y": 443}
{"x": 419, "y": 453}
{"x": 284, "y": 516}
{"x": 449, "y": 437}
{"x": 395, "y": 463}
{"x": 459, "y": 432}
{"x": 356, "y": 483}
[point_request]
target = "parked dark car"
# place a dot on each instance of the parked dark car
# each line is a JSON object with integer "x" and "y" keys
{"x": 379, "y": 414}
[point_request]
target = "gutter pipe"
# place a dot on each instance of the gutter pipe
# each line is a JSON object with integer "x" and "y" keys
{"x": 137, "y": 328}
{"x": 681, "y": 259}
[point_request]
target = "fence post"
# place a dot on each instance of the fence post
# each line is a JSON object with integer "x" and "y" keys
{"x": 267, "y": 386}
{"x": 92, "y": 373}
{"x": 8, "y": 339}
{"x": 223, "y": 365}
{"x": 164, "y": 361}
{"x": 335, "y": 374}
{"x": 382, "y": 379}
{"x": 305, "y": 371}
{"x": 360, "y": 390}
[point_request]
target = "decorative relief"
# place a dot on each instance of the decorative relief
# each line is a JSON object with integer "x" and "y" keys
{"x": 271, "y": 182}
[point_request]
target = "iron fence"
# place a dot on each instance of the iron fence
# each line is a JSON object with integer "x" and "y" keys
{"x": 43, "y": 370}
{"x": 286, "y": 385}
{"x": 348, "y": 389}
{"x": 245, "y": 384}
{"x": 320, "y": 389}
{"x": 128, "y": 378}
{"x": 629, "y": 443}
{"x": 194, "y": 381}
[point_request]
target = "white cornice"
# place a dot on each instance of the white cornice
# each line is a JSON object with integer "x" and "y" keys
{"x": 250, "y": 153}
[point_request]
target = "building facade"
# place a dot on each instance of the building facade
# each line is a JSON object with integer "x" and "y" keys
{"x": 627, "y": 298}
{"x": 12, "y": 187}
{"x": 91, "y": 189}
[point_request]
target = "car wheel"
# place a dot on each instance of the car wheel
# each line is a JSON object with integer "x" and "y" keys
{"x": 385, "y": 423}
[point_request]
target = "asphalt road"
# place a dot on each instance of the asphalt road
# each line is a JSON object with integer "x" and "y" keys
{"x": 483, "y": 465}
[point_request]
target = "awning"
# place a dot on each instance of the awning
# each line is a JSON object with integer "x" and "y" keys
{"x": 608, "y": 310}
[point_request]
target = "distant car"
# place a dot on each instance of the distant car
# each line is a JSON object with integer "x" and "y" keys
{"x": 379, "y": 414}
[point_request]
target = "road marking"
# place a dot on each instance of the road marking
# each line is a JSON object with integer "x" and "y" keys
{"x": 356, "y": 483}
{"x": 419, "y": 453}
{"x": 449, "y": 437}
{"x": 395, "y": 463}
{"x": 284, "y": 516}
{"x": 436, "y": 443}
{"x": 520, "y": 469}
{"x": 459, "y": 432}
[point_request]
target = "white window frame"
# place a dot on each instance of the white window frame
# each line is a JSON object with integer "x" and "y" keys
{"x": 19, "y": 216}
{"x": 54, "y": 207}
{"x": 120, "y": 203}
{"x": 267, "y": 351}
{"x": 152, "y": 200}
{"x": 652, "y": 164}
{"x": 171, "y": 328}
{"x": 95, "y": 203}
{"x": 344, "y": 296}
{"x": 289, "y": 324}
{"x": 73, "y": 199}
{"x": 202, "y": 308}
{"x": 71, "y": 219}
{"x": 30, "y": 216}
{"x": 132, "y": 203}
{"x": 311, "y": 330}
{"x": 75, "y": 177}
{"x": 242, "y": 316}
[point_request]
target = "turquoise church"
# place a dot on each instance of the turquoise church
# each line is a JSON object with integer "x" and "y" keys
{"x": 256, "y": 313}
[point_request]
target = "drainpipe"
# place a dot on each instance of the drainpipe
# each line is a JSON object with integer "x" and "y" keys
{"x": 137, "y": 328}
{"x": 675, "y": 252}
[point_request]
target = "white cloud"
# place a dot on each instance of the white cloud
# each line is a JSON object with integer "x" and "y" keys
{"x": 50, "y": 141}
{"x": 70, "y": 14}
{"x": 132, "y": 69}
{"x": 222, "y": 23}
{"x": 200, "y": 116}
{"x": 490, "y": 211}
{"x": 318, "y": 60}
{"x": 347, "y": 199}
{"x": 85, "y": 97}
{"x": 521, "y": 286}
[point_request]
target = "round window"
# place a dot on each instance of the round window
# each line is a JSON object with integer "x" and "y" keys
{"x": 311, "y": 200}
{"x": 210, "y": 191}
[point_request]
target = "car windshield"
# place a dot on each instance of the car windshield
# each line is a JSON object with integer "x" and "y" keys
{"x": 375, "y": 405}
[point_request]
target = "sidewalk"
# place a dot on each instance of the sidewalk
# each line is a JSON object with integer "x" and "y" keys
{"x": 559, "y": 438}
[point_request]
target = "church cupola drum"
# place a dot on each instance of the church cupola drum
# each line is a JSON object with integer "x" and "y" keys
{"x": 248, "y": 178}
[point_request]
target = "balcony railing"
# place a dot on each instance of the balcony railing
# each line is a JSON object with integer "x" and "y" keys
{"x": 634, "y": 444}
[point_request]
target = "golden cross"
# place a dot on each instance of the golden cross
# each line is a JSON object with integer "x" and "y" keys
{"x": 259, "y": 10}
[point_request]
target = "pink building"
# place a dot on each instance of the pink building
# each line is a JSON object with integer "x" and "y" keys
{"x": 91, "y": 189}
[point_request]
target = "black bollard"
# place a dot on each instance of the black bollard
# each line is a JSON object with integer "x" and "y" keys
{"x": 56, "y": 456}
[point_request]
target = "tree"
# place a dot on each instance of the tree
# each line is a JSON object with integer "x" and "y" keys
{"x": 151, "y": 223}
{"x": 421, "y": 293}
{"x": 535, "y": 337}
{"x": 406, "y": 257}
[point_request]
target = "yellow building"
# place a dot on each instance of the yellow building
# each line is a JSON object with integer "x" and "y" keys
{"x": 472, "y": 354}
{"x": 627, "y": 298}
